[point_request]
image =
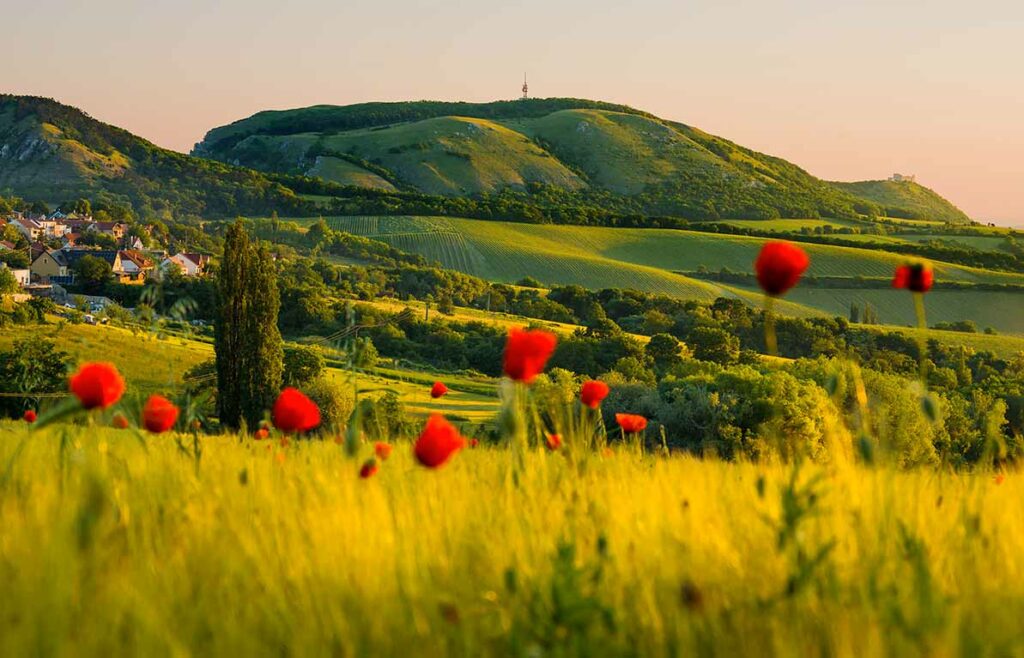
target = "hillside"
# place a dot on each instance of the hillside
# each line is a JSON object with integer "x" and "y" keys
{"x": 906, "y": 199}
{"x": 623, "y": 159}
{"x": 668, "y": 261}
{"x": 52, "y": 152}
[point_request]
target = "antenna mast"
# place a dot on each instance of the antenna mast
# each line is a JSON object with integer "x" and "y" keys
{"x": 526, "y": 89}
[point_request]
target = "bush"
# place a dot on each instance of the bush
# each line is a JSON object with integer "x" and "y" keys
{"x": 31, "y": 365}
{"x": 714, "y": 344}
{"x": 335, "y": 404}
{"x": 743, "y": 413}
{"x": 302, "y": 364}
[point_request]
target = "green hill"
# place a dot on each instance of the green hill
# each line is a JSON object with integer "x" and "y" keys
{"x": 623, "y": 159}
{"x": 906, "y": 199}
{"x": 653, "y": 260}
{"x": 50, "y": 151}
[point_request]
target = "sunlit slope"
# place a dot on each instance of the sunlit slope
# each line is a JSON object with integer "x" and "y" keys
{"x": 667, "y": 250}
{"x": 148, "y": 364}
{"x": 620, "y": 152}
{"x": 652, "y": 259}
{"x": 906, "y": 199}
{"x": 455, "y": 155}
{"x": 346, "y": 173}
{"x": 508, "y": 252}
{"x": 1002, "y": 311}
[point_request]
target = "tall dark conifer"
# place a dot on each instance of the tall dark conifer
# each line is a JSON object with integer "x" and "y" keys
{"x": 232, "y": 309}
{"x": 247, "y": 342}
{"x": 264, "y": 357}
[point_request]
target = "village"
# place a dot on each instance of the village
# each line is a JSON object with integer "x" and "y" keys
{"x": 45, "y": 253}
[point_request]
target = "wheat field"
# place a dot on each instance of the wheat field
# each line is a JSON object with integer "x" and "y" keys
{"x": 116, "y": 543}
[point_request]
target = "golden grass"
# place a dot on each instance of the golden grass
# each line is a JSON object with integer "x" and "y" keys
{"x": 110, "y": 550}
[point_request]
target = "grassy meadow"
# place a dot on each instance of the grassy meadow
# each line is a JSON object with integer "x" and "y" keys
{"x": 114, "y": 545}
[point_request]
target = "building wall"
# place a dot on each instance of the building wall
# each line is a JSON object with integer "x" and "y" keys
{"x": 47, "y": 266}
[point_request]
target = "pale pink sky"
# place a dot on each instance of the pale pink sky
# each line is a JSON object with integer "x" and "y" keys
{"x": 849, "y": 91}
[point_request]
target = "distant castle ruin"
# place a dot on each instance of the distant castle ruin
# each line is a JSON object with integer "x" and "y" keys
{"x": 902, "y": 178}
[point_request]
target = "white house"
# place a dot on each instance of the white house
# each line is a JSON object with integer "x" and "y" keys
{"x": 23, "y": 277}
{"x": 189, "y": 264}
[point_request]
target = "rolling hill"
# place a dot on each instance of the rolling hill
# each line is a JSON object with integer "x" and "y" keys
{"x": 657, "y": 260}
{"x": 53, "y": 152}
{"x": 906, "y": 199}
{"x": 623, "y": 158}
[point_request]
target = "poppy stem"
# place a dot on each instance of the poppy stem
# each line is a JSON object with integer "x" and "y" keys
{"x": 771, "y": 342}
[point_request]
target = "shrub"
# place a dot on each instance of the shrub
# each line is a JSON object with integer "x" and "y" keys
{"x": 335, "y": 404}
{"x": 302, "y": 364}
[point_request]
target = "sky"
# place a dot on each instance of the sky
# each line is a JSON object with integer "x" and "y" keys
{"x": 847, "y": 90}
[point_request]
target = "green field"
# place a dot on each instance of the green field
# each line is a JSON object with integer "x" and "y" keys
{"x": 152, "y": 365}
{"x": 149, "y": 364}
{"x": 506, "y": 252}
{"x": 1003, "y": 311}
{"x": 500, "y": 250}
{"x": 791, "y": 225}
{"x": 113, "y": 549}
{"x": 644, "y": 259}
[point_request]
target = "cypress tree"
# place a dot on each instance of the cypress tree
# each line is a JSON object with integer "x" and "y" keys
{"x": 247, "y": 342}
{"x": 232, "y": 308}
{"x": 264, "y": 358}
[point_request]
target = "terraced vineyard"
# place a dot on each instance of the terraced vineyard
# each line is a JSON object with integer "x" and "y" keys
{"x": 489, "y": 250}
{"x": 648, "y": 259}
{"x": 1002, "y": 311}
{"x": 507, "y": 248}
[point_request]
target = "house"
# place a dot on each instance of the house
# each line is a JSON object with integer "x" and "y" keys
{"x": 115, "y": 230}
{"x": 134, "y": 266}
{"x": 189, "y": 264}
{"x": 77, "y": 225}
{"x": 70, "y": 239}
{"x": 35, "y": 249}
{"x": 30, "y": 228}
{"x": 53, "y": 228}
{"x": 23, "y": 277}
{"x": 135, "y": 243}
{"x": 7, "y": 245}
{"x": 50, "y": 265}
{"x": 113, "y": 258}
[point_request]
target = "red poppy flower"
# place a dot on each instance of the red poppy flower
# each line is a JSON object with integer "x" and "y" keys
{"x": 593, "y": 393}
{"x": 779, "y": 266}
{"x": 917, "y": 277}
{"x": 438, "y": 442}
{"x": 97, "y": 385}
{"x": 159, "y": 414}
{"x": 526, "y": 353}
{"x": 554, "y": 441}
{"x": 474, "y": 443}
{"x": 119, "y": 421}
{"x": 30, "y": 416}
{"x": 437, "y": 390}
{"x": 369, "y": 469}
{"x": 999, "y": 478}
{"x": 631, "y": 423}
{"x": 294, "y": 412}
{"x": 261, "y": 434}
{"x": 382, "y": 450}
